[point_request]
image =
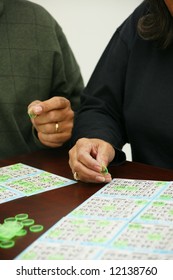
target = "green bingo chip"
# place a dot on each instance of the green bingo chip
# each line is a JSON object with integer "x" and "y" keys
{"x": 21, "y": 232}
{"x": 32, "y": 115}
{"x": 10, "y": 219}
{"x": 21, "y": 217}
{"x": 36, "y": 228}
{"x": 28, "y": 222}
{"x": 104, "y": 170}
{"x": 5, "y": 244}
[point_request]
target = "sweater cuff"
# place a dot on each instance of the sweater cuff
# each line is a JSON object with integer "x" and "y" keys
{"x": 36, "y": 140}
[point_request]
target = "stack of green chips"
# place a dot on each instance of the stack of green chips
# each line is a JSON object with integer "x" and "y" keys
{"x": 16, "y": 226}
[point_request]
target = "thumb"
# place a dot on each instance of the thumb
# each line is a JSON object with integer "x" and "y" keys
{"x": 105, "y": 155}
{"x": 102, "y": 158}
{"x": 35, "y": 108}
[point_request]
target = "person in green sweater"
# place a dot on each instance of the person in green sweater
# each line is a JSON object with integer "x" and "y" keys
{"x": 40, "y": 80}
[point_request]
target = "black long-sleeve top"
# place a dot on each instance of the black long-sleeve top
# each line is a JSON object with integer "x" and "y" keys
{"x": 129, "y": 97}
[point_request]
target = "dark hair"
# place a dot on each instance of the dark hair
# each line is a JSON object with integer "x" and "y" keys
{"x": 157, "y": 24}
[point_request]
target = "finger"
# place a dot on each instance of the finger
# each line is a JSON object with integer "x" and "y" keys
{"x": 93, "y": 177}
{"x": 54, "y": 126}
{"x": 88, "y": 175}
{"x": 97, "y": 163}
{"x": 93, "y": 153}
{"x": 34, "y": 109}
{"x": 83, "y": 165}
{"x": 54, "y": 103}
{"x": 64, "y": 116}
{"x": 85, "y": 157}
{"x": 105, "y": 154}
{"x": 55, "y": 139}
{"x": 49, "y": 128}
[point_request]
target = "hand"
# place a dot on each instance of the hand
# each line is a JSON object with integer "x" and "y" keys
{"x": 53, "y": 120}
{"x": 88, "y": 156}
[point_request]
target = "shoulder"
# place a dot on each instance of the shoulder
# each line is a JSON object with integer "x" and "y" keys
{"x": 28, "y": 12}
{"x": 42, "y": 16}
{"x": 128, "y": 29}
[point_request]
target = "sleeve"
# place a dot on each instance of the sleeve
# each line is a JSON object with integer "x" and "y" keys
{"x": 67, "y": 78}
{"x": 101, "y": 112}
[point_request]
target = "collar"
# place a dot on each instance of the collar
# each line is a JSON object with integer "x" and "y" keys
{"x": 1, "y": 6}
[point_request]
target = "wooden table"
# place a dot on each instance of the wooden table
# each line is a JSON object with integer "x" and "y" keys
{"x": 48, "y": 207}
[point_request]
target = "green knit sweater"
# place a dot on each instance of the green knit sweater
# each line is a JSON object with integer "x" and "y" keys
{"x": 36, "y": 63}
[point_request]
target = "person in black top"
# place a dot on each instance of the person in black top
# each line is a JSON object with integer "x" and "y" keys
{"x": 129, "y": 97}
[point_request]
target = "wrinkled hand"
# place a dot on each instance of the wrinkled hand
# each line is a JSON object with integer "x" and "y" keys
{"x": 87, "y": 157}
{"x": 53, "y": 120}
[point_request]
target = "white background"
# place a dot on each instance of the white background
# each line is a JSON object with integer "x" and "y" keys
{"x": 164, "y": 267}
{"x": 88, "y": 26}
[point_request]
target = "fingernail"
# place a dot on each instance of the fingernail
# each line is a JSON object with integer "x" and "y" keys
{"x": 108, "y": 179}
{"x": 100, "y": 179}
{"x": 37, "y": 109}
{"x": 97, "y": 168}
